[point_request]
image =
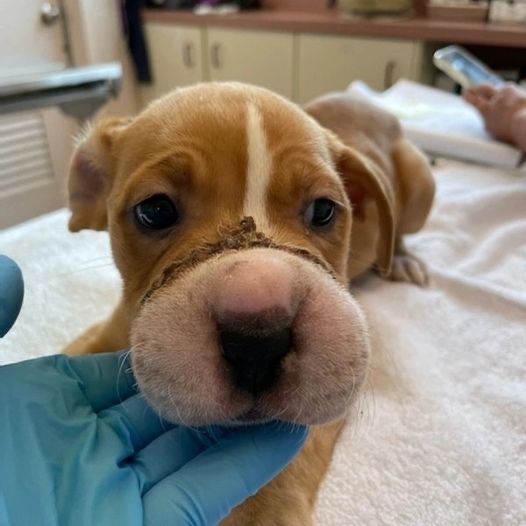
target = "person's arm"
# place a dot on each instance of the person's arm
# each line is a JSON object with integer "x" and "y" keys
{"x": 518, "y": 129}
{"x": 503, "y": 111}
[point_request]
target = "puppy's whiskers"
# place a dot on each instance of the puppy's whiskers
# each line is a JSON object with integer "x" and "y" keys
{"x": 84, "y": 269}
{"x": 174, "y": 406}
{"x": 122, "y": 361}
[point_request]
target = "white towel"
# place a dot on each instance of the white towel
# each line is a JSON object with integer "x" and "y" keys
{"x": 442, "y": 434}
{"x": 442, "y": 438}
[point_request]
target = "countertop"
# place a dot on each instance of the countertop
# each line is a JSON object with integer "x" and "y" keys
{"x": 331, "y": 22}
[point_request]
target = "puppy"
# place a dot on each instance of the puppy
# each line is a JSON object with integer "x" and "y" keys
{"x": 236, "y": 220}
{"x": 402, "y": 189}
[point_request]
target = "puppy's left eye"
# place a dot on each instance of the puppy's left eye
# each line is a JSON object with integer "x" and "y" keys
{"x": 320, "y": 212}
{"x": 156, "y": 212}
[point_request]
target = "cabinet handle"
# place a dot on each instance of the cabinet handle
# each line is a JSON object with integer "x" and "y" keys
{"x": 389, "y": 74}
{"x": 215, "y": 56}
{"x": 188, "y": 55}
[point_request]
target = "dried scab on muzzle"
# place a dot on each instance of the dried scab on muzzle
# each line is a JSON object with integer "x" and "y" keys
{"x": 242, "y": 237}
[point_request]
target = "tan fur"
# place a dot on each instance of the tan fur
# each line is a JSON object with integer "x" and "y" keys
{"x": 401, "y": 167}
{"x": 357, "y": 154}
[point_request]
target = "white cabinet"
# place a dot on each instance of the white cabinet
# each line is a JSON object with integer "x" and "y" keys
{"x": 258, "y": 57}
{"x": 183, "y": 55}
{"x": 176, "y": 58}
{"x": 298, "y": 66}
{"x": 329, "y": 63}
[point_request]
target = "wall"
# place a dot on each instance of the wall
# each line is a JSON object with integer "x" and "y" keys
{"x": 97, "y": 35}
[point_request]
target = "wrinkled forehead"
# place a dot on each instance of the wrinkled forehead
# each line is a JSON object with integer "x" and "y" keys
{"x": 237, "y": 141}
{"x": 228, "y": 121}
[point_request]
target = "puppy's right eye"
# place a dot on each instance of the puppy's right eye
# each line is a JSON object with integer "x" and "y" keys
{"x": 156, "y": 212}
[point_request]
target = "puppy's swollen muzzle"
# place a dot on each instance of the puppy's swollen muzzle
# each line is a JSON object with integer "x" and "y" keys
{"x": 242, "y": 237}
{"x": 251, "y": 334}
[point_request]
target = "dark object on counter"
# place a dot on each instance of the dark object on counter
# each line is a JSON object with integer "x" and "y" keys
{"x": 249, "y": 4}
{"x": 136, "y": 42}
{"x": 190, "y": 4}
{"x": 172, "y": 4}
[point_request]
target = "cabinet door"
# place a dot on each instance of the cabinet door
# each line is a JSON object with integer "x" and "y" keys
{"x": 176, "y": 58}
{"x": 328, "y": 63}
{"x": 263, "y": 58}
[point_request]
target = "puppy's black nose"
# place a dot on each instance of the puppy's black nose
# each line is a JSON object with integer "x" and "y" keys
{"x": 255, "y": 355}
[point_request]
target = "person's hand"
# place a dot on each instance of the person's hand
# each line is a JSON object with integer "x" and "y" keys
{"x": 503, "y": 110}
{"x": 11, "y": 293}
{"x": 79, "y": 445}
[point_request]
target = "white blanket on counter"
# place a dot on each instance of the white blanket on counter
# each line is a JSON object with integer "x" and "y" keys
{"x": 441, "y": 435}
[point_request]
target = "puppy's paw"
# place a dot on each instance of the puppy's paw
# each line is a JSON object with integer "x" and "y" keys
{"x": 79, "y": 347}
{"x": 409, "y": 269}
{"x": 275, "y": 515}
{"x": 87, "y": 343}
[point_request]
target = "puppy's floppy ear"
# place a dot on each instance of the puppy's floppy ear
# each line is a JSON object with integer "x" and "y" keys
{"x": 364, "y": 181}
{"x": 91, "y": 174}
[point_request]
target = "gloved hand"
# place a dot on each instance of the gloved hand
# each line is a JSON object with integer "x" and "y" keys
{"x": 11, "y": 293}
{"x": 79, "y": 445}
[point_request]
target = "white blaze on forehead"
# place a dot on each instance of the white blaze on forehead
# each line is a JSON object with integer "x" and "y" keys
{"x": 259, "y": 169}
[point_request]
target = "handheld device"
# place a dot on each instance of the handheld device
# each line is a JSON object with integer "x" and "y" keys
{"x": 464, "y": 68}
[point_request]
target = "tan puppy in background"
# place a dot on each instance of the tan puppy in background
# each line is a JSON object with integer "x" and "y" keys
{"x": 236, "y": 221}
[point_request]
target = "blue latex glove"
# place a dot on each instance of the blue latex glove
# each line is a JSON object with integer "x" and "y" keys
{"x": 11, "y": 293}
{"x": 79, "y": 446}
